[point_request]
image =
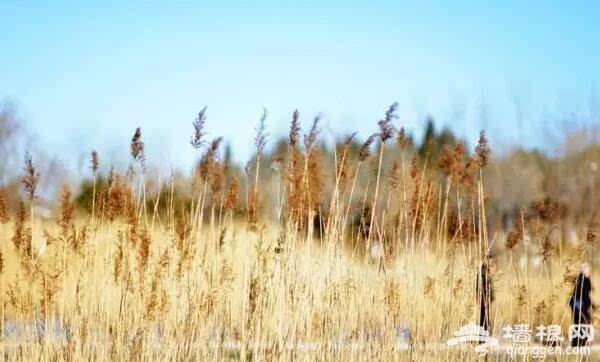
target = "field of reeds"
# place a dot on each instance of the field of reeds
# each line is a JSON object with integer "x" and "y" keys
{"x": 367, "y": 249}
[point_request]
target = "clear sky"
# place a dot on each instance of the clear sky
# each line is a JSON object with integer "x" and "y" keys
{"x": 85, "y": 76}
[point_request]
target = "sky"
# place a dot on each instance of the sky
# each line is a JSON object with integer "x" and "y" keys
{"x": 84, "y": 76}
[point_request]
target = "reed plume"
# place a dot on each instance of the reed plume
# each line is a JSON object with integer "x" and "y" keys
{"x": 402, "y": 139}
{"x": 94, "y": 166}
{"x": 310, "y": 139}
{"x": 386, "y": 128}
{"x": 232, "y": 199}
{"x": 294, "y": 129}
{"x": 209, "y": 159}
{"x": 31, "y": 178}
{"x": 260, "y": 140}
{"x": 94, "y": 161}
{"x": 483, "y": 150}
{"x": 197, "y": 139}
{"x": 3, "y": 210}
{"x": 137, "y": 148}
{"x": 120, "y": 198}
{"x": 69, "y": 234}
{"x": 365, "y": 149}
{"x": 253, "y": 201}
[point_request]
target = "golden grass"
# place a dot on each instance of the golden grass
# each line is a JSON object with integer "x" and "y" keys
{"x": 336, "y": 269}
{"x": 246, "y": 298}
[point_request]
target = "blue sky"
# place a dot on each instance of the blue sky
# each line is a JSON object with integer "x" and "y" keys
{"x": 85, "y": 76}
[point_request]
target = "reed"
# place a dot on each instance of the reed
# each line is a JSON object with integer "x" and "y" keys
{"x": 373, "y": 245}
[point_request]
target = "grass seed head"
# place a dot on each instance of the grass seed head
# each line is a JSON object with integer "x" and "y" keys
{"x": 483, "y": 150}
{"x": 294, "y": 129}
{"x": 232, "y": 199}
{"x": 260, "y": 140}
{"x": 402, "y": 139}
{"x": 197, "y": 140}
{"x": 310, "y": 139}
{"x": 31, "y": 178}
{"x": 137, "y": 148}
{"x": 386, "y": 128}
{"x": 94, "y": 161}
{"x": 365, "y": 150}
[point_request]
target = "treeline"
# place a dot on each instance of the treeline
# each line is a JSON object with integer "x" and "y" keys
{"x": 309, "y": 173}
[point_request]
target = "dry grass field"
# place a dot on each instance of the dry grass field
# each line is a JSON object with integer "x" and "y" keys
{"x": 370, "y": 251}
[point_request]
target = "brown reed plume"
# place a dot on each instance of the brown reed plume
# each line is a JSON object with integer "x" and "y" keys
{"x": 310, "y": 139}
{"x": 94, "y": 161}
{"x": 450, "y": 160}
{"x": 197, "y": 140}
{"x": 466, "y": 174}
{"x": 69, "y": 234}
{"x": 365, "y": 149}
{"x": 120, "y": 200}
{"x": 483, "y": 150}
{"x": 304, "y": 173}
{"x": 294, "y": 129}
{"x": 232, "y": 198}
{"x": 31, "y": 178}
{"x": 402, "y": 139}
{"x": 3, "y": 210}
{"x": 209, "y": 159}
{"x": 137, "y": 145}
{"x": 110, "y": 179}
{"x": 386, "y": 128}
{"x": 210, "y": 168}
{"x": 137, "y": 148}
